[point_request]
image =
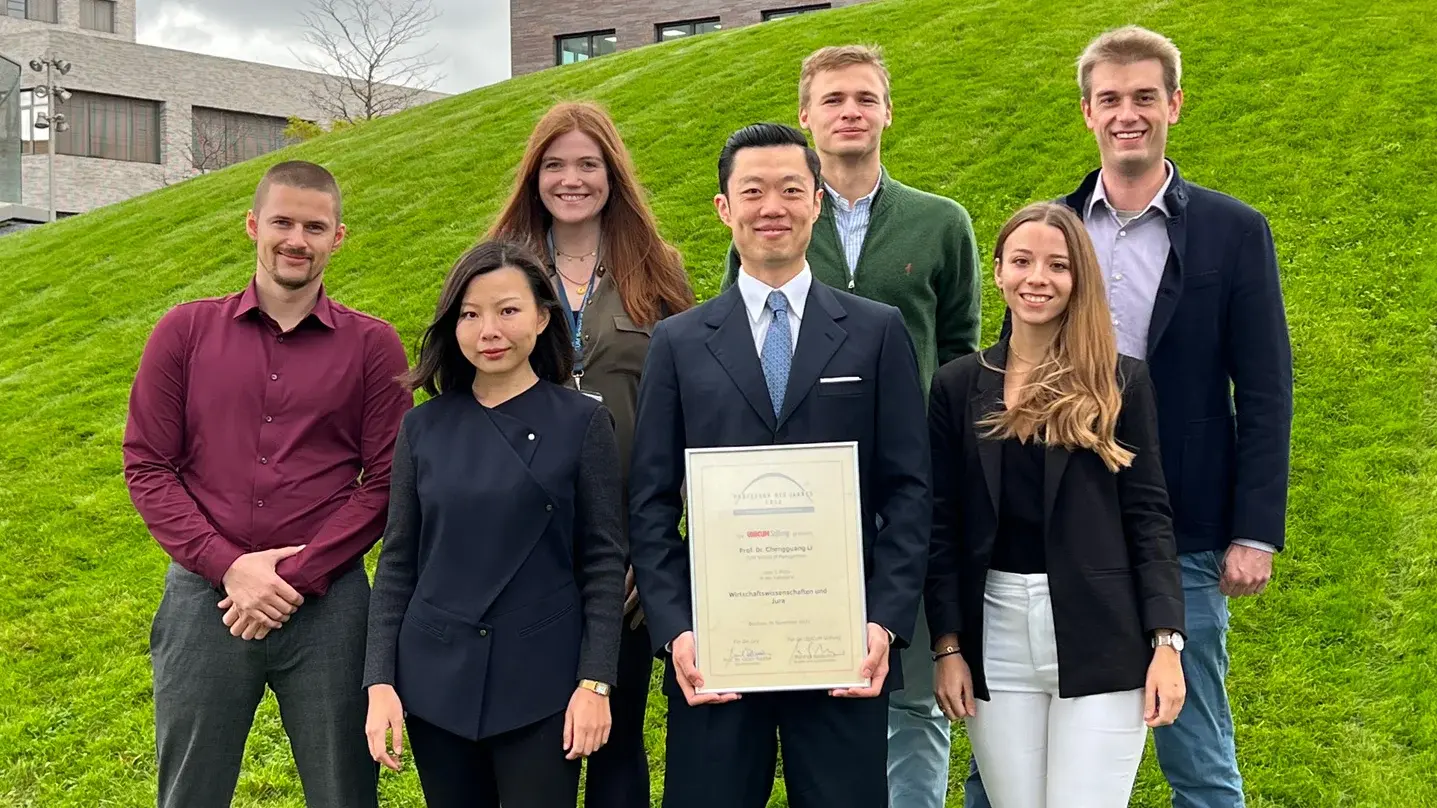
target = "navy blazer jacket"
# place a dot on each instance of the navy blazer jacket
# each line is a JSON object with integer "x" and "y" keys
{"x": 703, "y": 386}
{"x": 1221, "y": 365}
{"x": 501, "y": 581}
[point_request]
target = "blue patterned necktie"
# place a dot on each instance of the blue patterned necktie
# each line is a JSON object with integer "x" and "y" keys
{"x": 777, "y": 354}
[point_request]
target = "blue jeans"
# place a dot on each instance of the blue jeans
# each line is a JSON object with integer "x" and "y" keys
{"x": 919, "y": 738}
{"x": 1197, "y": 753}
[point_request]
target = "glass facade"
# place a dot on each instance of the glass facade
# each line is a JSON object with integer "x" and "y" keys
{"x": 9, "y": 131}
{"x": 677, "y": 30}
{"x": 578, "y": 47}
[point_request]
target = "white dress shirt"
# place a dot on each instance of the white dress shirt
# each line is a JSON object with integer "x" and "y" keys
{"x": 755, "y": 300}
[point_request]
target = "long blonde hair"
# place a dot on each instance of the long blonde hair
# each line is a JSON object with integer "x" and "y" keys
{"x": 1071, "y": 398}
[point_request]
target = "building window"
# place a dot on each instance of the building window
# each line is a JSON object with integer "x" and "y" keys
{"x": 110, "y": 127}
{"x": 677, "y": 30}
{"x": 794, "y": 11}
{"x": 222, "y": 137}
{"x": 37, "y": 10}
{"x": 98, "y": 15}
{"x": 32, "y": 140}
{"x": 578, "y": 47}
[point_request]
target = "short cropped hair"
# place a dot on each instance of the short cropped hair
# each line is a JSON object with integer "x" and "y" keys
{"x": 762, "y": 135}
{"x": 837, "y": 57}
{"x": 299, "y": 174}
{"x": 1127, "y": 45}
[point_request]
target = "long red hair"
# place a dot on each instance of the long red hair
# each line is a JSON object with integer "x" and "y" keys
{"x": 647, "y": 271}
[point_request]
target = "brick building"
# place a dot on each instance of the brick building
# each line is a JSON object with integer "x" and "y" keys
{"x": 544, "y": 33}
{"x": 140, "y": 116}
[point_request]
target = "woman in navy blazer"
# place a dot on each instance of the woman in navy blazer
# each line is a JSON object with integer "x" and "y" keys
{"x": 494, "y": 620}
{"x": 1053, "y": 589}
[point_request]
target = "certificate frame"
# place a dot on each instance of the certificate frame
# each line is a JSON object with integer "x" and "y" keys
{"x": 819, "y": 640}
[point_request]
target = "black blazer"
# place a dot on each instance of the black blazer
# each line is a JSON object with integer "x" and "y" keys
{"x": 703, "y": 386}
{"x": 1112, "y": 565}
{"x": 501, "y": 581}
{"x": 1221, "y": 365}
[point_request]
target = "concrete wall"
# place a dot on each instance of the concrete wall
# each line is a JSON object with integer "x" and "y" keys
{"x": 179, "y": 79}
{"x": 533, "y": 24}
{"x": 69, "y": 13}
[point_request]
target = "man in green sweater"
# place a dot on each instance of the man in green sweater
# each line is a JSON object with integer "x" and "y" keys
{"x": 881, "y": 239}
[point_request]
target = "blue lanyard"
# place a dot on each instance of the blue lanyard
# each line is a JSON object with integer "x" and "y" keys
{"x": 576, "y": 318}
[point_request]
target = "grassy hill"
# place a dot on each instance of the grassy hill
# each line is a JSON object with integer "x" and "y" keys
{"x": 1319, "y": 113}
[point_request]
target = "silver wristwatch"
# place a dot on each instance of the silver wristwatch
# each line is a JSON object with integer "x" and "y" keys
{"x": 1170, "y": 638}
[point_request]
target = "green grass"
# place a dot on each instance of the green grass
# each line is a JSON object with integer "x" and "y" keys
{"x": 1318, "y": 113}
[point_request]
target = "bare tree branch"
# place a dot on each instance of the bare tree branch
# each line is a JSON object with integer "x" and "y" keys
{"x": 367, "y": 51}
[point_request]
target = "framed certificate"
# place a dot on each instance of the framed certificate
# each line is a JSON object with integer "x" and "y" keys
{"x": 776, "y": 564}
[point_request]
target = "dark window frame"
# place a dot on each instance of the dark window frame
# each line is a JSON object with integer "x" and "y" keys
{"x": 243, "y": 136}
{"x": 31, "y": 10}
{"x": 592, "y": 36}
{"x": 84, "y": 108}
{"x": 782, "y": 13}
{"x": 692, "y": 24}
{"x": 92, "y": 8}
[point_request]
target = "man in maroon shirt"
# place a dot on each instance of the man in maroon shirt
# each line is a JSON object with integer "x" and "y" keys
{"x": 257, "y": 451}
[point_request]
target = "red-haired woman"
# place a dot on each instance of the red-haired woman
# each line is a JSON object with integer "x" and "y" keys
{"x": 578, "y": 202}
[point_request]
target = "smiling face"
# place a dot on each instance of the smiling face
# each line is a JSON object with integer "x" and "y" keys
{"x": 295, "y": 230}
{"x": 499, "y": 322}
{"x": 1129, "y": 112}
{"x": 847, "y": 111}
{"x": 573, "y": 178}
{"x": 1035, "y": 274}
{"x": 770, "y": 205}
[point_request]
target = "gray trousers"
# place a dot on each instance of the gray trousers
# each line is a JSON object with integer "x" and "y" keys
{"x": 208, "y": 685}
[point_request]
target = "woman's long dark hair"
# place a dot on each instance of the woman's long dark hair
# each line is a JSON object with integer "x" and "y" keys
{"x": 442, "y": 366}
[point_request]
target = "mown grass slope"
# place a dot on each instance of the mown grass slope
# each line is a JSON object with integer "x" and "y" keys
{"x": 1318, "y": 113}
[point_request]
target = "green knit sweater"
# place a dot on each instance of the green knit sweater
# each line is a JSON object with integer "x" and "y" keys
{"x": 920, "y": 256}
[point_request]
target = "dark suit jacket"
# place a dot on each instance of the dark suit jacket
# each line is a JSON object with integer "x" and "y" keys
{"x": 1112, "y": 566}
{"x": 703, "y": 386}
{"x": 501, "y": 581}
{"x": 1219, "y": 338}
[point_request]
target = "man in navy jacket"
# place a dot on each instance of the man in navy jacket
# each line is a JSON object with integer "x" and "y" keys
{"x": 1193, "y": 284}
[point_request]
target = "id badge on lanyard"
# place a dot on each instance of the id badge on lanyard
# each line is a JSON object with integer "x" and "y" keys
{"x": 579, "y": 326}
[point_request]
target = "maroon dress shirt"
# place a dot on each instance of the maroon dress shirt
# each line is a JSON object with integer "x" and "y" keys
{"x": 244, "y": 438}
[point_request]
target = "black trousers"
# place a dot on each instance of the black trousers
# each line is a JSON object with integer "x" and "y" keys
{"x": 618, "y": 774}
{"x": 835, "y": 751}
{"x": 522, "y": 768}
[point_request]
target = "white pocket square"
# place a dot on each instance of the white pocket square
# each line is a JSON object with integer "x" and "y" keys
{"x": 840, "y": 379}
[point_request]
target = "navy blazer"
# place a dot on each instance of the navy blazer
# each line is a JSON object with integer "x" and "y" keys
{"x": 500, "y": 584}
{"x": 1221, "y": 365}
{"x": 703, "y": 386}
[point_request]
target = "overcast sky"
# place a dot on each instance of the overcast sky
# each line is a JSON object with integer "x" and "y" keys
{"x": 471, "y": 38}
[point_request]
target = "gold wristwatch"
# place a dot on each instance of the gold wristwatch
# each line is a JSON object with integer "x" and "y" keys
{"x": 598, "y": 687}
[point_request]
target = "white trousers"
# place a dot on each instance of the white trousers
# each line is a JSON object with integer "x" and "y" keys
{"x": 1034, "y": 749}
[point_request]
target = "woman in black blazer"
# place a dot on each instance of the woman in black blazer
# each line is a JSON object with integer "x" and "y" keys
{"x": 494, "y": 620}
{"x": 1053, "y": 587}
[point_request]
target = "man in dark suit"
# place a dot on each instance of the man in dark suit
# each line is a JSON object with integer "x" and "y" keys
{"x": 1194, "y": 290}
{"x": 780, "y": 359}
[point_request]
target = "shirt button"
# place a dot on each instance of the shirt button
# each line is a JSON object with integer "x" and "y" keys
{"x": 1118, "y": 276}
{"x": 1115, "y": 321}
{"x": 548, "y": 507}
{"x": 281, "y": 339}
{"x": 531, "y": 436}
{"x": 483, "y": 632}
{"x": 269, "y": 419}
{"x": 260, "y": 503}
{"x": 274, "y": 377}
{"x": 1122, "y": 232}
{"x": 264, "y": 461}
